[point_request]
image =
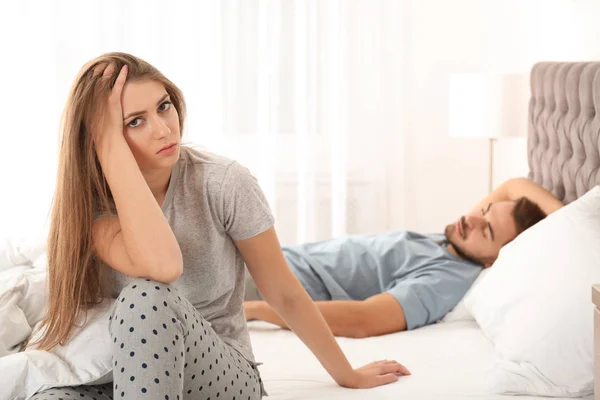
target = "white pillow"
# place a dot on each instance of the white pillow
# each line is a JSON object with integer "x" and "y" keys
{"x": 535, "y": 304}
{"x": 460, "y": 312}
{"x": 22, "y": 304}
{"x": 84, "y": 360}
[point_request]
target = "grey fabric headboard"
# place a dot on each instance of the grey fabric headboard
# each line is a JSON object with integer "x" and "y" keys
{"x": 563, "y": 144}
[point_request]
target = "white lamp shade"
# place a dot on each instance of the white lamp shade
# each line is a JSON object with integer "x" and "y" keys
{"x": 483, "y": 105}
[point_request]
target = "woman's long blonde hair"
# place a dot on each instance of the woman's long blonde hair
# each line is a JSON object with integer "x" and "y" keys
{"x": 75, "y": 281}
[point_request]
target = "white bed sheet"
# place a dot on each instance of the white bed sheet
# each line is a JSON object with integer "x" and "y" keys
{"x": 448, "y": 361}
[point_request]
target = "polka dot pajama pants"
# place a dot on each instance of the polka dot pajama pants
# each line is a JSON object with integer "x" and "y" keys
{"x": 164, "y": 349}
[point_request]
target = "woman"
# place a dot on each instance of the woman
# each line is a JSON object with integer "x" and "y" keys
{"x": 166, "y": 229}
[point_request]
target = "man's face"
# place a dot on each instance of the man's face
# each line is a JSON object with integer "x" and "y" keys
{"x": 479, "y": 235}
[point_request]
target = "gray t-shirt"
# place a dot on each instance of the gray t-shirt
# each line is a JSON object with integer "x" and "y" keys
{"x": 211, "y": 201}
{"x": 418, "y": 270}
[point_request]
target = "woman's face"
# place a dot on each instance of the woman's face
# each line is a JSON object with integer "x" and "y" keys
{"x": 150, "y": 122}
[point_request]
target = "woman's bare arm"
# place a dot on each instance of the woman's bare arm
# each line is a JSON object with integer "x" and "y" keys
{"x": 148, "y": 240}
{"x": 281, "y": 289}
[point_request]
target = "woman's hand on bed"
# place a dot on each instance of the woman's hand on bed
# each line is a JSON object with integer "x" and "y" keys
{"x": 375, "y": 374}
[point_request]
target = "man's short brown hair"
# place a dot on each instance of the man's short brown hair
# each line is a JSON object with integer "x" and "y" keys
{"x": 526, "y": 214}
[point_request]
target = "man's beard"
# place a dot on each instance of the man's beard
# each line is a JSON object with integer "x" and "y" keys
{"x": 464, "y": 255}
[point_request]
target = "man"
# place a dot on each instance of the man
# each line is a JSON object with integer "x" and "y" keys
{"x": 378, "y": 284}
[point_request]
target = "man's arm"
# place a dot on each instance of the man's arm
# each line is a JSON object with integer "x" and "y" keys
{"x": 515, "y": 188}
{"x": 377, "y": 315}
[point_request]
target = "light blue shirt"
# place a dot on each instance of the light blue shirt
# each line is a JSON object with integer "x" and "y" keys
{"x": 418, "y": 270}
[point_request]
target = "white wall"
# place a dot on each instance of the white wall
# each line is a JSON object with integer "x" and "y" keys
{"x": 431, "y": 178}
{"x": 445, "y": 176}
{"x": 510, "y": 159}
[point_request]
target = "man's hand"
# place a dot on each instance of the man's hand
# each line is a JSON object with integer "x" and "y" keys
{"x": 251, "y": 309}
{"x": 260, "y": 310}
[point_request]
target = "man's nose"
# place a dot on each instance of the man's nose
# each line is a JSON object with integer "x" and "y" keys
{"x": 475, "y": 222}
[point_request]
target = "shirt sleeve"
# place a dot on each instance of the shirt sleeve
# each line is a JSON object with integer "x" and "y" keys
{"x": 245, "y": 209}
{"x": 427, "y": 298}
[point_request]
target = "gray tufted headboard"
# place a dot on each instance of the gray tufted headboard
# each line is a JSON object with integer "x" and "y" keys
{"x": 563, "y": 145}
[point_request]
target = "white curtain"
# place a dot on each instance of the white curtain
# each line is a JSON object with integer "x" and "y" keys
{"x": 306, "y": 93}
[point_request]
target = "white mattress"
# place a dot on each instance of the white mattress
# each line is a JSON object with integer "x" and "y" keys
{"x": 447, "y": 360}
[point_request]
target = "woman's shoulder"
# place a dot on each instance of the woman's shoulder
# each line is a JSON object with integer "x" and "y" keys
{"x": 193, "y": 155}
{"x": 212, "y": 167}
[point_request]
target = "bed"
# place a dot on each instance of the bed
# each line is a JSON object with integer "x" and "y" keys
{"x": 449, "y": 360}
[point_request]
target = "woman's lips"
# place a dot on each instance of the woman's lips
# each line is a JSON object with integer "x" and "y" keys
{"x": 168, "y": 149}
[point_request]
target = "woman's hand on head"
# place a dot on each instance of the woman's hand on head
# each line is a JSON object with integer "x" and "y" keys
{"x": 108, "y": 122}
{"x": 375, "y": 374}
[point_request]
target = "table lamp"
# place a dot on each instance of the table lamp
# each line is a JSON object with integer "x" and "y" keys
{"x": 488, "y": 106}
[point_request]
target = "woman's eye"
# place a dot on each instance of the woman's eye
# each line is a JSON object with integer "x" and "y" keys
{"x": 164, "y": 106}
{"x": 134, "y": 123}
